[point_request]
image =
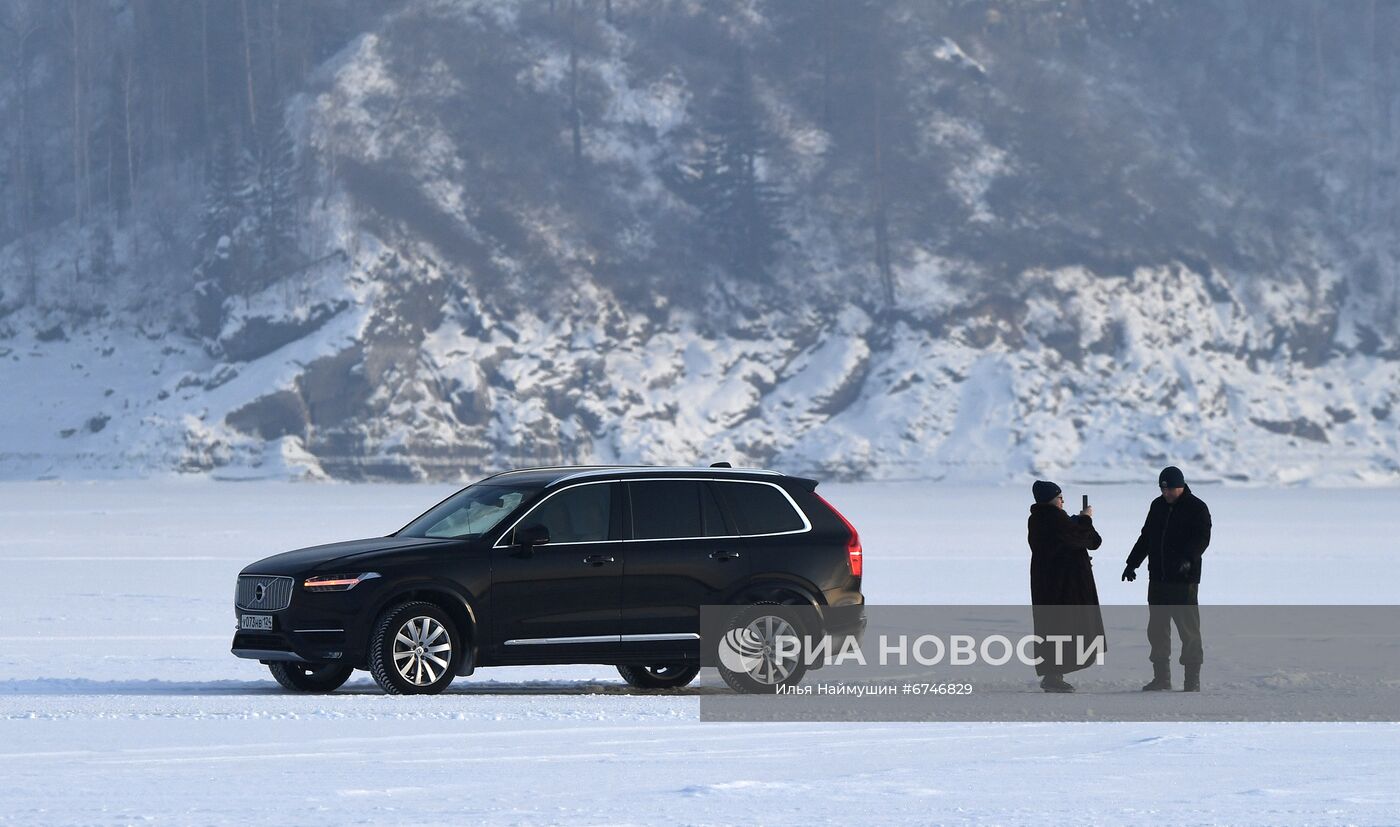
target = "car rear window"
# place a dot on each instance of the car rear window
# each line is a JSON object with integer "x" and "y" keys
{"x": 759, "y": 508}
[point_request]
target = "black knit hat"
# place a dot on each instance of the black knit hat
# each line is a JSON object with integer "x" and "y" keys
{"x": 1044, "y": 491}
{"x": 1171, "y": 477}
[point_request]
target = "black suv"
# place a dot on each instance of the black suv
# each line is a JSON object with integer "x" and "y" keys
{"x": 551, "y": 565}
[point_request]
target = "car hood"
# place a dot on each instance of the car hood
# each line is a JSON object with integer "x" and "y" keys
{"x": 339, "y": 554}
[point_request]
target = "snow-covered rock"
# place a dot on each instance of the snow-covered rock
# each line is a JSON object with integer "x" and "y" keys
{"x": 1079, "y": 288}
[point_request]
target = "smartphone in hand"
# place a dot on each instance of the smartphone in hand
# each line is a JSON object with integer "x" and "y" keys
{"x": 1086, "y": 501}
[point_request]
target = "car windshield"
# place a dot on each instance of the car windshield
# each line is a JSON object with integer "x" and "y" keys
{"x": 470, "y": 512}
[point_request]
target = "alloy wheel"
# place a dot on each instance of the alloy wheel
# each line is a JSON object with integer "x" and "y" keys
{"x": 768, "y": 663}
{"x": 422, "y": 650}
{"x": 667, "y": 671}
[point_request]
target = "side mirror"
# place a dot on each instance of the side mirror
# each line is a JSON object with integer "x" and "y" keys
{"x": 530, "y": 536}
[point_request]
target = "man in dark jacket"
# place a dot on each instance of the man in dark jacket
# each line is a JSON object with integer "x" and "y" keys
{"x": 1065, "y": 600}
{"x": 1174, "y": 537}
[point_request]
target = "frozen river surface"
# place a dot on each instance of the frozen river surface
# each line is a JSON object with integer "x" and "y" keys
{"x": 119, "y": 701}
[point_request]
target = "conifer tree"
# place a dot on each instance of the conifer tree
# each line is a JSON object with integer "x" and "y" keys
{"x": 223, "y": 208}
{"x": 731, "y": 186}
{"x": 271, "y": 193}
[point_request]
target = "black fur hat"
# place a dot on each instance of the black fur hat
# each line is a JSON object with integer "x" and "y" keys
{"x": 1044, "y": 491}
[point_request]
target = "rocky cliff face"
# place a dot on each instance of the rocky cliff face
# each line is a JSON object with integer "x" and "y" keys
{"x": 998, "y": 240}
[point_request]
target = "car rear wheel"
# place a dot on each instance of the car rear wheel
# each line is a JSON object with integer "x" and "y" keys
{"x": 303, "y": 677}
{"x": 414, "y": 649}
{"x": 761, "y": 649}
{"x": 662, "y": 676}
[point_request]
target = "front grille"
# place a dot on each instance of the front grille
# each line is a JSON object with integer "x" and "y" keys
{"x": 257, "y": 592}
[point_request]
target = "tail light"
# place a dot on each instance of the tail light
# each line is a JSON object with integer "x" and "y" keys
{"x": 854, "y": 552}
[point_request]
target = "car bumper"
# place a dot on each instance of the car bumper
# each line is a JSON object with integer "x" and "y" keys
{"x": 300, "y": 647}
{"x": 322, "y": 628}
{"x": 845, "y": 621}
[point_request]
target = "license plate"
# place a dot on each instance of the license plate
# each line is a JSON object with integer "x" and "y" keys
{"x": 260, "y": 623}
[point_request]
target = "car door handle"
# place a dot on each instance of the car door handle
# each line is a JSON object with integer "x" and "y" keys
{"x": 724, "y": 555}
{"x": 598, "y": 559}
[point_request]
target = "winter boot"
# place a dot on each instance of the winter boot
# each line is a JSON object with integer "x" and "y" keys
{"x": 1193, "y": 678}
{"x": 1161, "y": 678}
{"x": 1055, "y": 682}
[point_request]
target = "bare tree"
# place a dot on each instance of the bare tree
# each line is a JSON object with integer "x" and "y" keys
{"x": 880, "y": 211}
{"x": 575, "y": 123}
{"x": 204, "y": 66}
{"x": 76, "y": 17}
{"x": 828, "y": 57}
{"x": 128, "y": 76}
{"x": 248, "y": 66}
{"x": 22, "y": 26}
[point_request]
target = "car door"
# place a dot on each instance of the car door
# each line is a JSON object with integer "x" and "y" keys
{"x": 561, "y": 600}
{"x": 681, "y": 554}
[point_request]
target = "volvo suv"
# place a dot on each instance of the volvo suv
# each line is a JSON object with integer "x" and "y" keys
{"x": 607, "y": 565}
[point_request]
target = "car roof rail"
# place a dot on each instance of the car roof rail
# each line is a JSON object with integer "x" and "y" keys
{"x": 602, "y": 471}
{"x": 533, "y": 468}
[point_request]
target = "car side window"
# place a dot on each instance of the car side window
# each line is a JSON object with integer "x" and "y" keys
{"x": 759, "y": 509}
{"x": 711, "y": 513}
{"x": 674, "y": 509}
{"x": 575, "y": 515}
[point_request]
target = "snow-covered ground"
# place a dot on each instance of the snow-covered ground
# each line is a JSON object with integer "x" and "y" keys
{"x": 119, "y": 702}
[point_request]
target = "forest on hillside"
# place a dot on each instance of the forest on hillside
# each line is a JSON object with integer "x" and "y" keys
{"x": 116, "y": 110}
{"x": 869, "y": 237}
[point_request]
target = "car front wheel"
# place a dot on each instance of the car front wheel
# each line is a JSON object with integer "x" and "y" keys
{"x": 299, "y": 677}
{"x": 414, "y": 649}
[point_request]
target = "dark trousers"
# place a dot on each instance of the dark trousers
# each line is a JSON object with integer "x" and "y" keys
{"x": 1168, "y": 604}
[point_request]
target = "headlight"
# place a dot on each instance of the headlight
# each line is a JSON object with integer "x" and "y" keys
{"x": 336, "y": 582}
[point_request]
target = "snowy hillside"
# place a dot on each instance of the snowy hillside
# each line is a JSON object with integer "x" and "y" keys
{"x": 886, "y": 240}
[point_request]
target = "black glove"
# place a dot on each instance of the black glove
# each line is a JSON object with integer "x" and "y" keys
{"x": 1129, "y": 573}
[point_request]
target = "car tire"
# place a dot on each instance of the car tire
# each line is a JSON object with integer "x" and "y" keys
{"x": 305, "y": 677}
{"x": 405, "y": 654}
{"x": 742, "y": 659}
{"x": 660, "y": 676}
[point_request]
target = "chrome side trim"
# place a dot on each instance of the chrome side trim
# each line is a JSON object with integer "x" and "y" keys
{"x": 535, "y": 641}
{"x": 806, "y": 523}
